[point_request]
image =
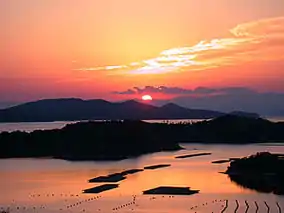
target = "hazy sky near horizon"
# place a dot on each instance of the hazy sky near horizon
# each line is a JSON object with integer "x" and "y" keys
{"x": 90, "y": 48}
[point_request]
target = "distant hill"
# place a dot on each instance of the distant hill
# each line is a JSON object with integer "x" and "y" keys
{"x": 77, "y": 109}
{"x": 245, "y": 114}
{"x": 4, "y": 105}
{"x": 266, "y": 104}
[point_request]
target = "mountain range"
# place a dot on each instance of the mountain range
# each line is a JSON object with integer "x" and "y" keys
{"x": 223, "y": 99}
{"x": 48, "y": 110}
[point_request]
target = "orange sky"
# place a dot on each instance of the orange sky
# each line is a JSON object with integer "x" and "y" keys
{"x": 90, "y": 48}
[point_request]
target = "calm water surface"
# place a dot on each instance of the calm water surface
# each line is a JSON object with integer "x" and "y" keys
{"x": 48, "y": 185}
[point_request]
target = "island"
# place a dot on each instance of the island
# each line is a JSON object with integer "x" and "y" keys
{"x": 263, "y": 172}
{"x": 106, "y": 140}
{"x": 121, "y": 139}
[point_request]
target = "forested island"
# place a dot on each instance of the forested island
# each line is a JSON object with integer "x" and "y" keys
{"x": 114, "y": 140}
{"x": 263, "y": 172}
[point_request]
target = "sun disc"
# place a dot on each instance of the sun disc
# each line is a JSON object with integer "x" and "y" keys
{"x": 147, "y": 98}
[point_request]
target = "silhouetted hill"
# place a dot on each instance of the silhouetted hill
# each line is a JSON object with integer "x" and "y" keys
{"x": 237, "y": 129}
{"x": 178, "y": 112}
{"x": 56, "y": 109}
{"x": 263, "y": 172}
{"x": 77, "y": 109}
{"x": 111, "y": 140}
{"x": 245, "y": 114}
{"x": 230, "y": 99}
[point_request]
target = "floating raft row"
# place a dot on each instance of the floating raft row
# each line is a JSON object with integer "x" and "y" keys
{"x": 131, "y": 171}
{"x": 170, "y": 190}
{"x": 156, "y": 166}
{"x": 113, "y": 178}
{"x": 117, "y": 177}
{"x": 193, "y": 155}
{"x": 102, "y": 188}
{"x": 221, "y": 161}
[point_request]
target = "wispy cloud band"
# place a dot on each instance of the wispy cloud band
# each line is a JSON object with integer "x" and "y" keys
{"x": 258, "y": 40}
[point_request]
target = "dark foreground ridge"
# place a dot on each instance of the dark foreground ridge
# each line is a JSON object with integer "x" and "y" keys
{"x": 170, "y": 190}
{"x": 77, "y": 109}
{"x": 115, "y": 140}
{"x": 263, "y": 172}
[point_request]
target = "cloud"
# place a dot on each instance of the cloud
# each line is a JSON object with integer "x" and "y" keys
{"x": 127, "y": 92}
{"x": 265, "y": 27}
{"x": 183, "y": 91}
{"x": 225, "y": 99}
{"x": 261, "y": 40}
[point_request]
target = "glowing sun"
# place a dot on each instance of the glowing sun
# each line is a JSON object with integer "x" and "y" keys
{"x": 147, "y": 98}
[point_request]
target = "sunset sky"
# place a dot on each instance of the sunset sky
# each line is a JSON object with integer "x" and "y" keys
{"x": 105, "y": 48}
